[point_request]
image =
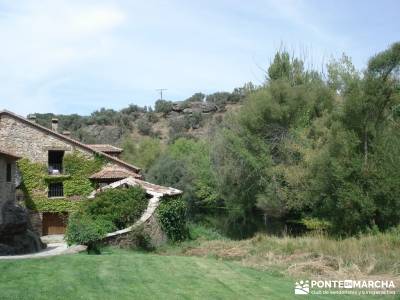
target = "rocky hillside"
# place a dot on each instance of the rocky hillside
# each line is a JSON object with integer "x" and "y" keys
{"x": 196, "y": 116}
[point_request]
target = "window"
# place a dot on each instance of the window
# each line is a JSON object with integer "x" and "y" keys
{"x": 56, "y": 189}
{"x": 9, "y": 175}
{"x": 56, "y": 162}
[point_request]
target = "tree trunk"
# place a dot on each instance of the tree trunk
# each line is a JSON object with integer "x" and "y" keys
{"x": 365, "y": 147}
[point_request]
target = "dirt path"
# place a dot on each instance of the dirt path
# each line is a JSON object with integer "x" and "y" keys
{"x": 55, "y": 246}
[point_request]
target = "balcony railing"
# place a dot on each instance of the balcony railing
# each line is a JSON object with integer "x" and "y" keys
{"x": 55, "y": 169}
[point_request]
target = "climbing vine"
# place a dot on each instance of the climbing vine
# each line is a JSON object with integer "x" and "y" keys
{"x": 171, "y": 214}
{"x": 45, "y": 204}
{"x": 80, "y": 168}
{"x": 76, "y": 182}
{"x": 33, "y": 175}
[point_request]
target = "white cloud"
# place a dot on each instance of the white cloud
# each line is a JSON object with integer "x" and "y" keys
{"x": 80, "y": 55}
{"x": 44, "y": 41}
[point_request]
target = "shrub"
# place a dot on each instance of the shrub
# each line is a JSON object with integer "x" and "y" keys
{"x": 204, "y": 232}
{"x": 316, "y": 224}
{"x": 219, "y": 99}
{"x": 163, "y": 106}
{"x": 194, "y": 120}
{"x": 139, "y": 239}
{"x": 197, "y": 97}
{"x": 172, "y": 217}
{"x": 122, "y": 207}
{"x": 86, "y": 230}
{"x": 144, "y": 127}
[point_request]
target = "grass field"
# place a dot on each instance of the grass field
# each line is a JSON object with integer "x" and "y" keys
{"x": 120, "y": 274}
{"x": 316, "y": 256}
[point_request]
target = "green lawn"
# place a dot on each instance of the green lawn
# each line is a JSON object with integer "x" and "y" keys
{"x": 132, "y": 275}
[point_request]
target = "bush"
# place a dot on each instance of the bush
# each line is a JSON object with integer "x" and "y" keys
{"x": 220, "y": 99}
{"x": 139, "y": 239}
{"x": 144, "y": 127}
{"x": 193, "y": 121}
{"x": 172, "y": 217}
{"x": 163, "y": 106}
{"x": 204, "y": 232}
{"x": 122, "y": 207}
{"x": 85, "y": 230}
{"x": 177, "y": 128}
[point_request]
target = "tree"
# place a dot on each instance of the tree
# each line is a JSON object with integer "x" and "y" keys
{"x": 163, "y": 106}
{"x": 143, "y": 152}
{"x": 197, "y": 97}
{"x": 369, "y": 103}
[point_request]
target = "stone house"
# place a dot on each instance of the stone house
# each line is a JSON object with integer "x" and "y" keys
{"x": 16, "y": 236}
{"x": 55, "y": 192}
{"x": 7, "y": 176}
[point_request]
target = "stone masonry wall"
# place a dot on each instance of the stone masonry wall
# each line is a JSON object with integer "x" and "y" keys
{"x": 7, "y": 189}
{"x": 36, "y": 219}
{"x": 29, "y": 142}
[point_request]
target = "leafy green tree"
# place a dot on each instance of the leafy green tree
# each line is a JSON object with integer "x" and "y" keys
{"x": 143, "y": 152}
{"x": 186, "y": 165}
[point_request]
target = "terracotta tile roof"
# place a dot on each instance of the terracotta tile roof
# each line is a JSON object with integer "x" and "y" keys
{"x": 112, "y": 172}
{"x": 9, "y": 155}
{"x": 105, "y": 148}
{"x": 70, "y": 140}
{"x": 152, "y": 189}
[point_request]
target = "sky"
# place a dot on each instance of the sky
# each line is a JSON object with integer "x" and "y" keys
{"x": 79, "y": 56}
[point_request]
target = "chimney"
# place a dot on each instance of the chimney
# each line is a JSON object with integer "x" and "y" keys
{"x": 32, "y": 118}
{"x": 54, "y": 124}
{"x": 67, "y": 133}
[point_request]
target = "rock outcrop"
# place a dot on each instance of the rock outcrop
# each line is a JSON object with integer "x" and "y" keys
{"x": 16, "y": 234}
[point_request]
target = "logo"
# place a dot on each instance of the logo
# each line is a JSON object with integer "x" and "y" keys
{"x": 302, "y": 288}
{"x": 345, "y": 287}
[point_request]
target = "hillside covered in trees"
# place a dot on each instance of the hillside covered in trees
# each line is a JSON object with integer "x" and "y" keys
{"x": 306, "y": 150}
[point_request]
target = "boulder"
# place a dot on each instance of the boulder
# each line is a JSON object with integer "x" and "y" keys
{"x": 16, "y": 234}
{"x": 209, "y": 107}
{"x": 178, "y": 106}
{"x": 188, "y": 111}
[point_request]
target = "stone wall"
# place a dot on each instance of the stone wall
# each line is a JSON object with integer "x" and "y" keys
{"x": 7, "y": 189}
{"x": 16, "y": 236}
{"x": 150, "y": 227}
{"x": 29, "y": 142}
{"x": 36, "y": 219}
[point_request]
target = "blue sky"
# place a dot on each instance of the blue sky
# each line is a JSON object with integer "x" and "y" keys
{"x": 78, "y": 56}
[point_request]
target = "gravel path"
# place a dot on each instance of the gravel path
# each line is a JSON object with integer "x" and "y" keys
{"x": 55, "y": 246}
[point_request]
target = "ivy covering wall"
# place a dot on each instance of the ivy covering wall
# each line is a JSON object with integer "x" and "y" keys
{"x": 76, "y": 182}
{"x": 80, "y": 169}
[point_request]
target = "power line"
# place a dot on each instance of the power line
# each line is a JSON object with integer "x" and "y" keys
{"x": 161, "y": 93}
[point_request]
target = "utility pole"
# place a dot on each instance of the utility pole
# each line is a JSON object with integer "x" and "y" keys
{"x": 161, "y": 92}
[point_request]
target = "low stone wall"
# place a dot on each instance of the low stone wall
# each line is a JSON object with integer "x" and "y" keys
{"x": 150, "y": 226}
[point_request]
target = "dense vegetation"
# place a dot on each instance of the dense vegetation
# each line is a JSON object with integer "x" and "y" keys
{"x": 306, "y": 150}
{"x": 171, "y": 214}
{"x": 316, "y": 150}
{"x": 110, "y": 210}
{"x": 76, "y": 183}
